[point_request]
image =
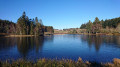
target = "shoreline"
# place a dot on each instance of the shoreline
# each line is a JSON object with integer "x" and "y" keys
{"x": 10, "y": 35}
{"x": 89, "y": 34}
{"x": 19, "y": 35}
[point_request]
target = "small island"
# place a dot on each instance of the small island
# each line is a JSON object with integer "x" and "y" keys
{"x": 24, "y": 27}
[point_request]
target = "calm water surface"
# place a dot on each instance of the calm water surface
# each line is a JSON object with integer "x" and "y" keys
{"x": 101, "y": 48}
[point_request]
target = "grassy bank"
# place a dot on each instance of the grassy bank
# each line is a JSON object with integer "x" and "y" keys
{"x": 6, "y": 35}
{"x": 100, "y": 33}
{"x": 19, "y": 35}
{"x": 14, "y": 35}
{"x": 107, "y": 31}
{"x": 57, "y": 63}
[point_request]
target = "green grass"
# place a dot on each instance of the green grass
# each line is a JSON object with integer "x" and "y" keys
{"x": 57, "y": 63}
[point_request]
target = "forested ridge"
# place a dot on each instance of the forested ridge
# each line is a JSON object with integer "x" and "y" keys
{"x": 102, "y": 26}
{"x": 108, "y": 26}
{"x": 25, "y": 26}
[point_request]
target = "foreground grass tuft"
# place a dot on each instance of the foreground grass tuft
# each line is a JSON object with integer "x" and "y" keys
{"x": 58, "y": 63}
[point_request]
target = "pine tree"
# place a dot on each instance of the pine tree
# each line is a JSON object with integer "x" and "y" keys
{"x": 89, "y": 26}
{"x": 23, "y": 25}
{"x": 36, "y": 20}
{"x": 31, "y": 28}
{"x": 96, "y": 21}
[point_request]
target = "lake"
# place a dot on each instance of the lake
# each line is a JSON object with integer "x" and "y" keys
{"x": 95, "y": 48}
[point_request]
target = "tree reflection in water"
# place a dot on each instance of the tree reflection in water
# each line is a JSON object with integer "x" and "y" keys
{"x": 26, "y": 44}
{"x": 33, "y": 48}
{"x": 98, "y": 40}
{"x": 7, "y": 42}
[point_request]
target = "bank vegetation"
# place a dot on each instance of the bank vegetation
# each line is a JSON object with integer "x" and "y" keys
{"x": 58, "y": 63}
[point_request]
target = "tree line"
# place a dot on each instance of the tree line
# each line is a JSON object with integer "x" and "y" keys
{"x": 98, "y": 26}
{"x": 24, "y": 26}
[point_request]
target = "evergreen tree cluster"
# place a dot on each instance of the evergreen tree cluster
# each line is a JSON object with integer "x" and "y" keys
{"x": 49, "y": 29}
{"x": 94, "y": 27}
{"x": 25, "y": 26}
{"x": 7, "y": 26}
{"x": 111, "y": 23}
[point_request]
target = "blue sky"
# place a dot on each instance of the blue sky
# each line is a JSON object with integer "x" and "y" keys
{"x": 60, "y": 13}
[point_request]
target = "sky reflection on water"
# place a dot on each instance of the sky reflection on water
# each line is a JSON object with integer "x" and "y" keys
{"x": 101, "y": 48}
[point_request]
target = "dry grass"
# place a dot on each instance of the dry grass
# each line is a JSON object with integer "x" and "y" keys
{"x": 58, "y": 63}
{"x": 19, "y": 35}
{"x": 116, "y": 62}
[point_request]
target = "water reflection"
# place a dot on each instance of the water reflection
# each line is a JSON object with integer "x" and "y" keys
{"x": 98, "y": 40}
{"x": 93, "y": 40}
{"x": 7, "y": 43}
{"x": 49, "y": 38}
{"x": 26, "y": 44}
{"x": 112, "y": 40}
{"x": 61, "y": 46}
